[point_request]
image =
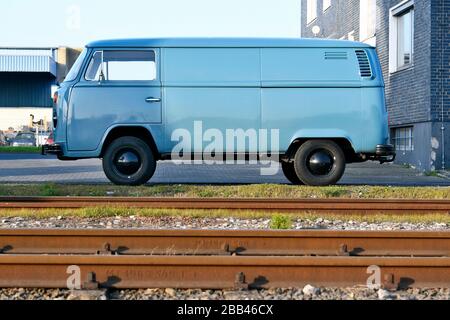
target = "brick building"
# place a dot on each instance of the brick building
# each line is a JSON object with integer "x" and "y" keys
{"x": 413, "y": 42}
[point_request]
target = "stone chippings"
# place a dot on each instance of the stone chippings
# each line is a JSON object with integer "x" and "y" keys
{"x": 308, "y": 292}
{"x": 229, "y": 223}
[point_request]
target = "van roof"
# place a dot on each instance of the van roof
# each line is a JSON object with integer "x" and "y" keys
{"x": 227, "y": 43}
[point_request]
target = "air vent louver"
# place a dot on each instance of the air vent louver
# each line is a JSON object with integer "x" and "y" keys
{"x": 364, "y": 64}
{"x": 335, "y": 55}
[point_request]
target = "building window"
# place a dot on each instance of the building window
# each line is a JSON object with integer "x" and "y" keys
{"x": 402, "y": 138}
{"x": 326, "y": 5}
{"x": 401, "y": 43}
{"x": 405, "y": 39}
{"x": 368, "y": 20}
{"x": 311, "y": 11}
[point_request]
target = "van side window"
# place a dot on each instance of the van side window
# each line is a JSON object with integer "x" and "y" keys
{"x": 122, "y": 66}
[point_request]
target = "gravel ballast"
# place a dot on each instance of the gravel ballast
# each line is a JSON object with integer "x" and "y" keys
{"x": 355, "y": 293}
{"x": 173, "y": 222}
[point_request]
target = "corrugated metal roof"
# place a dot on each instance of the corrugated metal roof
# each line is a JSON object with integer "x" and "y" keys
{"x": 26, "y": 89}
{"x": 29, "y": 52}
{"x": 22, "y": 63}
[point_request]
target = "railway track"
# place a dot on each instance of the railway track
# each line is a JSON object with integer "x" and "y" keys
{"x": 222, "y": 259}
{"x": 287, "y": 205}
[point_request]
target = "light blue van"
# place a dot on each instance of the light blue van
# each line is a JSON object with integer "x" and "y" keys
{"x": 123, "y": 100}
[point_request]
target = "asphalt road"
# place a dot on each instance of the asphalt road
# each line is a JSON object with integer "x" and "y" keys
{"x": 28, "y": 168}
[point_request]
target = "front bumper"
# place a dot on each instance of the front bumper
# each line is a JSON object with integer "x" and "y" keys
{"x": 51, "y": 149}
{"x": 384, "y": 153}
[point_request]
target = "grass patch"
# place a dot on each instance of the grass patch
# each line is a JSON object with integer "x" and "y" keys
{"x": 278, "y": 220}
{"x": 20, "y": 150}
{"x": 49, "y": 190}
{"x": 281, "y": 222}
{"x": 431, "y": 173}
{"x": 229, "y": 191}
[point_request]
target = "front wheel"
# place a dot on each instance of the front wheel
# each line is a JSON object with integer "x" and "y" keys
{"x": 129, "y": 161}
{"x": 319, "y": 163}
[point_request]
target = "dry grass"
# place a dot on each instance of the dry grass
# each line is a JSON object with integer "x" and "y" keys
{"x": 105, "y": 212}
{"x": 239, "y": 191}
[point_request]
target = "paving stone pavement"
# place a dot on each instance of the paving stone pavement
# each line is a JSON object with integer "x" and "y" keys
{"x": 28, "y": 168}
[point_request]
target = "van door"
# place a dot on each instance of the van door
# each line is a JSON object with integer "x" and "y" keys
{"x": 119, "y": 87}
{"x": 212, "y": 91}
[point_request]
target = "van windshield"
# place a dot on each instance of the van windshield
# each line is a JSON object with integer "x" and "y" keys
{"x": 73, "y": 73}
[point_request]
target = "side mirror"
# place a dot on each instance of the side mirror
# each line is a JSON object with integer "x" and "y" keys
{"x": 101, "y": 77}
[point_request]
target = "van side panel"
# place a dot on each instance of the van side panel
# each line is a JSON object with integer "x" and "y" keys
{"x": 218, "y": 86}
{"x": 309, "y": 67}
{"x": 313, "y": 93}
{"x": 374, "y": 114}
{"x": 211, "y": 67}
{"x": 313, "y": 113}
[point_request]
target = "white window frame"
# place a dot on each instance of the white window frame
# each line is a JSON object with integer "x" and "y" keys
{"x": 368, "y": 21}
{"x": 351, "y": 36}
{"x": 394, "y": 14}
{"x": 403, "y": 138}
{"x": 326, "y": 4}
{"x": 311, "y": 11}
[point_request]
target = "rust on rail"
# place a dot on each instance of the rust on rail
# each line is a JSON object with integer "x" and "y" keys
{"x": 262, "y": 204}
{"x": 220, "y": 272}
{"x": 225, "y": 242}
{"x": 219, "y": 259}
{"x": 216, "y": 259}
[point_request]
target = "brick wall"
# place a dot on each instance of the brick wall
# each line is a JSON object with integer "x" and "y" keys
{"x": 440, "y": 60}
{"x": 408, "y": 93}
{"x": 336, "y": 22}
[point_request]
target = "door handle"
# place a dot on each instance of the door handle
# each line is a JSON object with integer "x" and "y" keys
{"x": 153, "y": 100}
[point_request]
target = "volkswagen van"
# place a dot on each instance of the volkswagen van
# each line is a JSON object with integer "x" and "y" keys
{"x": 124, "y": 101}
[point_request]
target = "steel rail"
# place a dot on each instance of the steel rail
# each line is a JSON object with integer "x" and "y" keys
{"x": 224, "y": 242}
{"x": 222, "y": 259}
{"x": 213, "y": 272}
{"x": 259, "y": 204}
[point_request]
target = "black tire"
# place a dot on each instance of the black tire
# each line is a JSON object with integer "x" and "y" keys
{"x": 129, "y": 161}
{"x": 319, "y": 163}
{"x": 290, "y": 174}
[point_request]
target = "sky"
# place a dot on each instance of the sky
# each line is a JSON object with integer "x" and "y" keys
{"x": 33, "y": 23}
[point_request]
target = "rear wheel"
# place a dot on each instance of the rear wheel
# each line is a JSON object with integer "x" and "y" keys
{"x": 129, "y": 161}
{"x": 319, "y": 163}
{"x": 289, "y": 173}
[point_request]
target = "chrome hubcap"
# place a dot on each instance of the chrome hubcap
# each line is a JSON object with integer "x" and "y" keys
{"x": 320, "y": 162}
{"x": 127, "y": 162}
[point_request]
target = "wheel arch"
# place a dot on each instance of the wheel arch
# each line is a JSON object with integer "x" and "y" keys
{"x": 133, "y": 131}
{"x": 343, "y": 142}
